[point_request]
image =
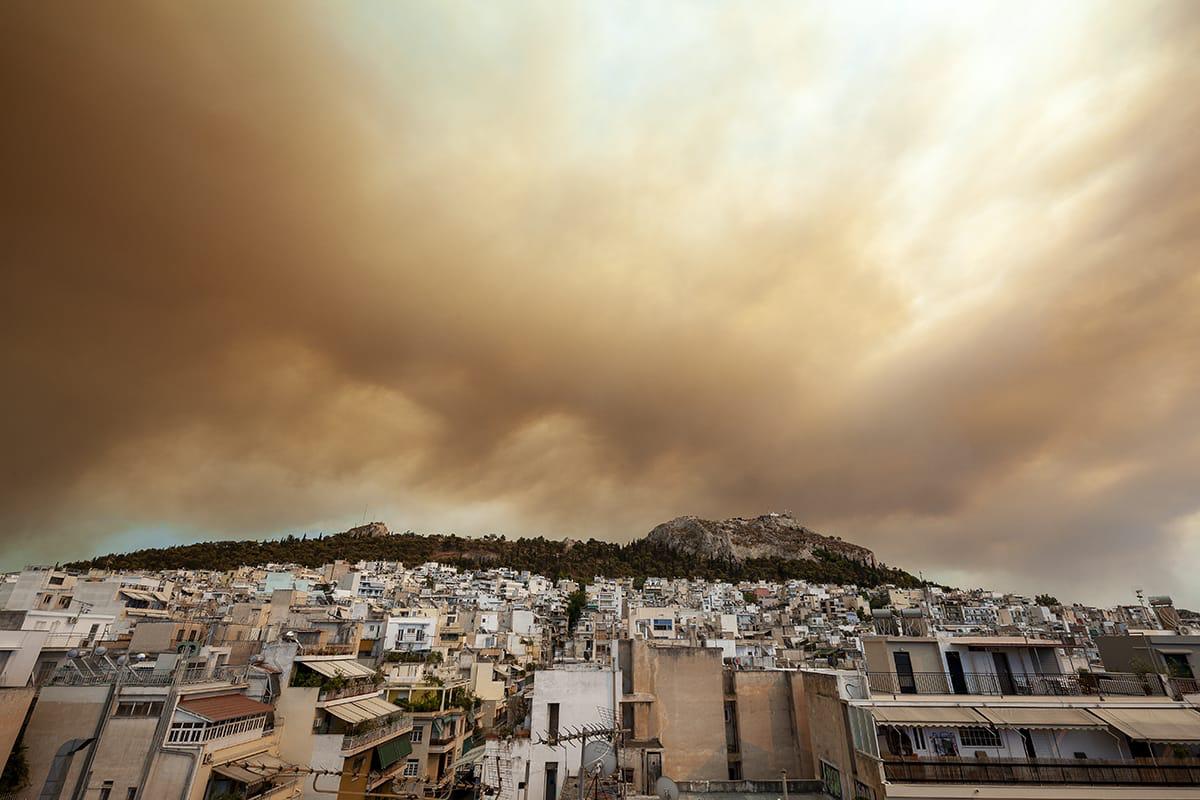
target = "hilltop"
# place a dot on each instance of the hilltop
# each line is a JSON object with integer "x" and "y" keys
{"x": 776, "y": 535}
{"x": 666, "y": 552}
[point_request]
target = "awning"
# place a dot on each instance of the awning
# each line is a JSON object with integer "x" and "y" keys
{"x": 362, "y": 710}
{"x": 391, "y": 751}
{"x": 238, "y": 773}
{"x": 346, "y": 668}
{"x": 1049, "y": 718}
{"x": 255, "y": 769}
{"x": 928, "y": 716}
{"x": 470, "y": 757}
{"x": 1153, "y": 724}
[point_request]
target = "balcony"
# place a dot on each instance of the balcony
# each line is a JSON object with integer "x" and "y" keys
{"x": 1044, "y": 771}
{"x": 1017, "y": 683}
{"x": 353, "y": 742}
{"x": 351, "y": 689}
{"x": 330, "y": 650}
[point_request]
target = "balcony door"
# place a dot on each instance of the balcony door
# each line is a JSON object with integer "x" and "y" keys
{"x": 1004, "y": 673}
{"x": 904, "y": 673}
{"x": 958, "y": 678}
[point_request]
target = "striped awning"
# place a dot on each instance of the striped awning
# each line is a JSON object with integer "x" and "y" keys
{"x": 929, "y": 716}
{"x": 1039, "y": 718}
{"x": 255, "y": 769}
{"x": 362, "y": 710}
{"x": 391, "y": 751}
{"x": 1153, "y": 724}
{"x": 343, "y": 667}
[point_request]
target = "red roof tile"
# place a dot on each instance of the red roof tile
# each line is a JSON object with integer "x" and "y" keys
{"x": 224, "y": 706}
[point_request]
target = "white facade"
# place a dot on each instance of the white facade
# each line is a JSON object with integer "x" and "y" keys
{"x": 577, "y": 697}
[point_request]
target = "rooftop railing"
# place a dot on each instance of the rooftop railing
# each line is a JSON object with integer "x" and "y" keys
{"x": 1046, "y": 771}
{"x": 1016, "y": 683}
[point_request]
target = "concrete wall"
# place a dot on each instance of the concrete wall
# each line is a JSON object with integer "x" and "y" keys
{"x": 172, "y": 776}
{"x": 827, "y": 722}
{"x": 14, "y": 703}
{"x": 766, "y": 730}
{"x": 22, "y": 649}
{"x": 61, "y": 713}
{"x": 584, "y": 697}
{"x": 688, "y": 713}
{"x": 121, "y": 757}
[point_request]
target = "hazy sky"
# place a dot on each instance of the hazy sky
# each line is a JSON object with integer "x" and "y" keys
{"x": 926, "y": 274}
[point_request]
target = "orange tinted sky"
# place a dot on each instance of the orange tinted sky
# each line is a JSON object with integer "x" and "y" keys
{"x": 927, "y": 275}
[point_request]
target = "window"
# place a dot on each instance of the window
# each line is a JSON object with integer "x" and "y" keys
{"x": 553, "y": 712}
{"x": 106, "y": 790}
{"x": 663, "y": 624}
{"x": 863, "y": 792}
{"x": 132, "y": 793}
{"x": 417, "y": 734}
{"x": 735, "y": 771}
{"x": 831, "y": 779}
{"x": 918, "y": 738}
{"x": 412, "y": 768}
{"x": 862, "y": 730}
{"x": 186, "y": 732}
{"x": 131, "y": 708}
{"x": 899, "y": 744}
{"x": 979, "y": 737}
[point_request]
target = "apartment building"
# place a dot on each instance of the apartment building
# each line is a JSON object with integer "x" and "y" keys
{"x": 338, "y": 720}
{"x": 989, "y": 730}
{"x": 157, "y": 730}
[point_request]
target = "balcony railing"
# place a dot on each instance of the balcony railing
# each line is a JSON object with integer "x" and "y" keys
{"x": 351, "y": 689}
{"x": 1048, "y": 771}
{"x": 396, "y": 725}
{"x": 329, "y": 649}
{"x": 1016, "y": 683}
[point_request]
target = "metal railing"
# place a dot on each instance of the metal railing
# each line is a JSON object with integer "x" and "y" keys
{"x": 330, "y": 649}
{"x": 1055, "y": 771}
{"x": 72, "y": 676}
{"x": 352, "y": 689}
{"x": 396, "y": 725}
{"x": 1016, "y": 683}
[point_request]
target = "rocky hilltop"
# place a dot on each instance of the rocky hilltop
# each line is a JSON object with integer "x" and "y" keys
{"x": 736, "y": 539}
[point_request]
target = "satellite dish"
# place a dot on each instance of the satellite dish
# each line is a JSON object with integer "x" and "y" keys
{"x": 666, "y": 789}
{"x": 140, "y": 656}
{"x": 598, "y": 756}
{"x": 73, "y": 653}
{"x": 122, "y": 660}
{"x": 101, "y": 650}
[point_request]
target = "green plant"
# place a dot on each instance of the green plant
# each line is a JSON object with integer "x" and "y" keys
{"x": 307, "y": 679}
{"x": 575, "y": 605}
{"x": 16, "y": 772}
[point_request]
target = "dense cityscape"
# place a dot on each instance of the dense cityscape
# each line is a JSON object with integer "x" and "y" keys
{"x": 429, "y": 680}
{"x": 600, "y": 400}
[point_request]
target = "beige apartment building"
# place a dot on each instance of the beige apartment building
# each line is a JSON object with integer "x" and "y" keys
{"x": 980, "y": 717}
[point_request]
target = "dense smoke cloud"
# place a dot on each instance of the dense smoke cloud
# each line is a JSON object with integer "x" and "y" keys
{"x": 930, "y": 281}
